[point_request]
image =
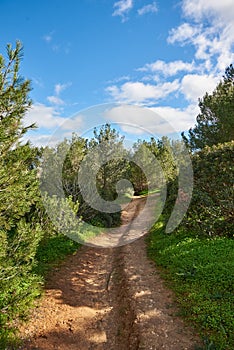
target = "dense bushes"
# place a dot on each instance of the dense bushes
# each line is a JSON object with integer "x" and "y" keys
{"x": 67, "y": 157}
{"x": 211, "y": 208}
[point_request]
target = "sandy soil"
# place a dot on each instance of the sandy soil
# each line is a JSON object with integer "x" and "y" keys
{"x": 110, "y": 299}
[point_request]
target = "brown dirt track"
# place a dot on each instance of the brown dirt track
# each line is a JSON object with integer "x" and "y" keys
{"x": 110, "y": 299}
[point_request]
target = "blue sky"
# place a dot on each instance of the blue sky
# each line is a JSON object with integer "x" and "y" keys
{"x": 162, "y": 55}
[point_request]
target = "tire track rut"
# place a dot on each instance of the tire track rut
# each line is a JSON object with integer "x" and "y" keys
{"x": 109, "y": 299}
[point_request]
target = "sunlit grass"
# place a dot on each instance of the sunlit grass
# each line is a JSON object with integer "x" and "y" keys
{"x": 201, "y": 272}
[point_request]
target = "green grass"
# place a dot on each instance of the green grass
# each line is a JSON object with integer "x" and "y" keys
{"x": 52, "y": 251}
{"x": 201, "y": 272}
{"x": 145, "y": 192}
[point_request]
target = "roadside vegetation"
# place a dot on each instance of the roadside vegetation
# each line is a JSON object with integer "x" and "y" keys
{"x": 28, "y": 241}
{"x": 197, "y": 258}
{"x": 200, "y": 270}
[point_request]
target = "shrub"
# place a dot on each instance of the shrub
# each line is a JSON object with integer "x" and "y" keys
{"x": 211, "y": 209}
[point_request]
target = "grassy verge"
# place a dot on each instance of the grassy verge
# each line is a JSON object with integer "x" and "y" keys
{"x": 201, "y": 272}
{"x": 52, "y": 251}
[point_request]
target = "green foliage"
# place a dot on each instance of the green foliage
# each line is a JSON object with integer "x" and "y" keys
{"x": 77, "y": 151}
{"x": 215, "y": 123}
{"x": 198, "y": 258}
{"x": 164, "y": 151}
{"x": 106, "y": 160}
{"x": 200, "y": 270}
{"x": 113, "y": 169}
{"x": 166, "y": 156}
{"x": 53, "y": 250}
{"x": 140, "y": 161}
{"x": 138, "y": 179}
{"x": 63, "y": 213}
{"x": 14, "y": 100}
{"x": 211, "y": 209}
{"x": 68, "y": 155}
{"x": 26, "y": 231}
{"x": 18, "y": 196}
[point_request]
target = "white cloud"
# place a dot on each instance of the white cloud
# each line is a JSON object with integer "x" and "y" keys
{"x": 194, "y": 86}
{"x": 118, "y": 80}
{"x": 169, "y": 68}
{"x": 180, "y": 119}
{"x": 135, "y": 119}
{"x": 184, "y": 33}
{"x": 150, "y": 8}
{"x": 43, "y": 116}
{"x": 61, "y": 87}
{"x": 132, "y": 119}
{"x": 38, "y": 81}
{"x": 55, "y": 100}
{"x": 157, "y": 120}
{"x": 224, "y": 60}
{"x": 207, "y": 27}
{"x": 139, "y": 92}
{"x": 209, "y": 8}
{"x": 210, "y": 30}
{"x": 41, "y": 140}
{"x": 122, "y": 7}
{"x": 191, "y": 86}
{"x": 49, "y": 119}
{"x": 73, "y": 124}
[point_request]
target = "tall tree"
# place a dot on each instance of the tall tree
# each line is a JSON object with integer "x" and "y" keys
{"x": 110, "y": 154}
{"x": 215, "y": 122}
{"x": 18, "y": 189}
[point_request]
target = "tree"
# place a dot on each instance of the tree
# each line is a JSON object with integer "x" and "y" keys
{"x": 60, "y": 166}
{"x": 75, "y": 155}
{"x": 108, "y": 147}
{"x": 18, "y": 191}
{"x": 81, "y": 170}
{"x": 137, "y": 175}
{"x": 215, "y": 122}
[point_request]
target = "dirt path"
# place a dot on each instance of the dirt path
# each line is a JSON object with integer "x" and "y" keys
{"x": 110, "y": 299}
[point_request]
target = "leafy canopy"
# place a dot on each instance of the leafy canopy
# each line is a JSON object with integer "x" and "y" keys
{"x": 215, "y": 122}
